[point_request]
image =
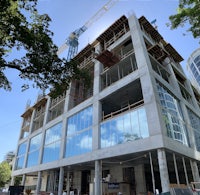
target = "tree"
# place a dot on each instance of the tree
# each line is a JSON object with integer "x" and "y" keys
{"x": 24, "y": 31}
{"x": 188, "y": 12}
{"x": 5, "y": 175}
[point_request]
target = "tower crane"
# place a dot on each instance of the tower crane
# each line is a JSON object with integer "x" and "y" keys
{"x": 72, "y": 40}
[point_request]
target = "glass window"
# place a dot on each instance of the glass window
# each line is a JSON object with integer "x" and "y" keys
{"x": 71, "y": 127}
{"x": 52, "y": 143}
{"x": 172, "y": 116}
{"x": 20, "y": 156}
{"x": 144, "y": 132}
{"x": 105, "y": 134}
{"x": 19, "y": 163}
{"x": 192, "y": 67}
{"x": 79, "y": 144}
{"x": 135, "y": 125}
{"x": 35, "y": 142}
{"x": 79, "y": 133}
{"x": 125, "y": 128}
{"x": 197, "y": 59}
{"x": 78, "y": 123}
{"x": 34, "y": 149}
{"x": 33, "y": 158}
{"x": 51, "y": 152}
{"x": 195, "y": 124}
{"x": 22, "y": 149}
{"x": 53, "y": 134}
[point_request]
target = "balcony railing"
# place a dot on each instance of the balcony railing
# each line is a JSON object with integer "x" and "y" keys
{"x": 128, "y": 107}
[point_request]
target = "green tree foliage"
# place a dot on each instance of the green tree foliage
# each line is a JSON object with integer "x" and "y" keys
{"x": 24, "y": 31}
{"x": 17, "y": 181}
{"x": 188, "y": 12}
{"x": 5, "y": 173}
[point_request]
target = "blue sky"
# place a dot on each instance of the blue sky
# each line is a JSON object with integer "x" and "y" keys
{"x": 67, "y": 16}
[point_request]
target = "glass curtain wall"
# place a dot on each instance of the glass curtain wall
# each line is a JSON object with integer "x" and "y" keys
{"x": 52, "y": 143}
{"x": 20, "y": 156}
{"x": 125, "y": 128}
{"x": 172, "y": 116}
{"x": 34, "y": 150}
{"x": 195, "y": 124}
{"x": 79, "y": 133}
{"x": 195, "y": 68}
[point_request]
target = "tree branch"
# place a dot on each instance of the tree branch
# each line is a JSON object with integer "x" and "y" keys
{"x": 14, "y": 66}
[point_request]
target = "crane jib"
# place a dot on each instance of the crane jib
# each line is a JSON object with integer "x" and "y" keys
{"x": 80, "y": 31}
{"x": 72, "y": 40}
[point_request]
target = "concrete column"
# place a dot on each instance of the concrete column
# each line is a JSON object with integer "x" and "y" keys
{"x": 98, "y": 176}
{"x": 26, "y": 154}
{"x": 185, "y": 171}
{"x": 164, "y": 176}
{"x": 43, "y": 132}
{"x": 68, "y": 182}
{"x": 67, "y": 99}
{"x": 96, "y": 140}
{"x": 32, "y": 120}
{"x": 38, "y": 186}
{"x": 176, "y": 170}
{"x": 152, "y": 173}
{"x": 97, "y": 109}
{"x": 41, "y": 148}
{"x": 63, "y": 142}
{"x": 139, "y": 46}
{"x": 98, "y": 68}
{"x": 23, "y": 180}
{"x": 140, "y": 179}
{"x": 61, "y": 180}
{"x": 172, "y": 79}
{"x": 46, "y": 114}
{"x": 12, "y": 181}
{"x": 195, "y": 170}
{"x": 148, "y": 82}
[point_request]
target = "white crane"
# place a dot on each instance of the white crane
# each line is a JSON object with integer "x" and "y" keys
{"x": 72, "y": 40}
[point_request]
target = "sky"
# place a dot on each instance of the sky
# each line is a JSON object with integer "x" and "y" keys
{"x": 67, "y": 16}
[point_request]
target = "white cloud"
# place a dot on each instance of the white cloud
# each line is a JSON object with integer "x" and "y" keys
{"x": 71, "y": 129}
{"x": 107, "y": 143}
{"x": 36, "y": 140}
{"x": 54, "y": 145}
{"x": 86, "y": 142}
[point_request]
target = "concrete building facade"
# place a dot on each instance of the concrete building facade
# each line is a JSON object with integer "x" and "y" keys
{"x": 193, "y": 67}
{"x": 134, "y": 131}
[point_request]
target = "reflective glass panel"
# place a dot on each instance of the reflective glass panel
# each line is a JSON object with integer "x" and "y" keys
{"x": 22, "y": 149}
{"x": 51, "y": 152}
{"x": 35, "y": 142}
{"x": 144, "y": 132}
{"x": 195, "y": 124}
{"x": 125, "y": 128}
{"x": 33, "y": 158}
{"x": 33, "y": 155}
{"x": 79, "y": 144}
{"x": 172, "y": 116}
{"x": 19, "y": 163}
{"x": 53, "y": 134}
{"x": 79, "y": 133}
{"x": 51, "y": 149}
{"x": 20, "y": 156}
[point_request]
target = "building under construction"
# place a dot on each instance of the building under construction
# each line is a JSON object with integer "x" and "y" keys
{"x": 134, "y": 131}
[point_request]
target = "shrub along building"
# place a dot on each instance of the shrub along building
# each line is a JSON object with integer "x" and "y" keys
{"x": 136, "y": 129}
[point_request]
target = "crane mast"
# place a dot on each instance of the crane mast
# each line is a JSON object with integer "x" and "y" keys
{"x": 72, "y": 40}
